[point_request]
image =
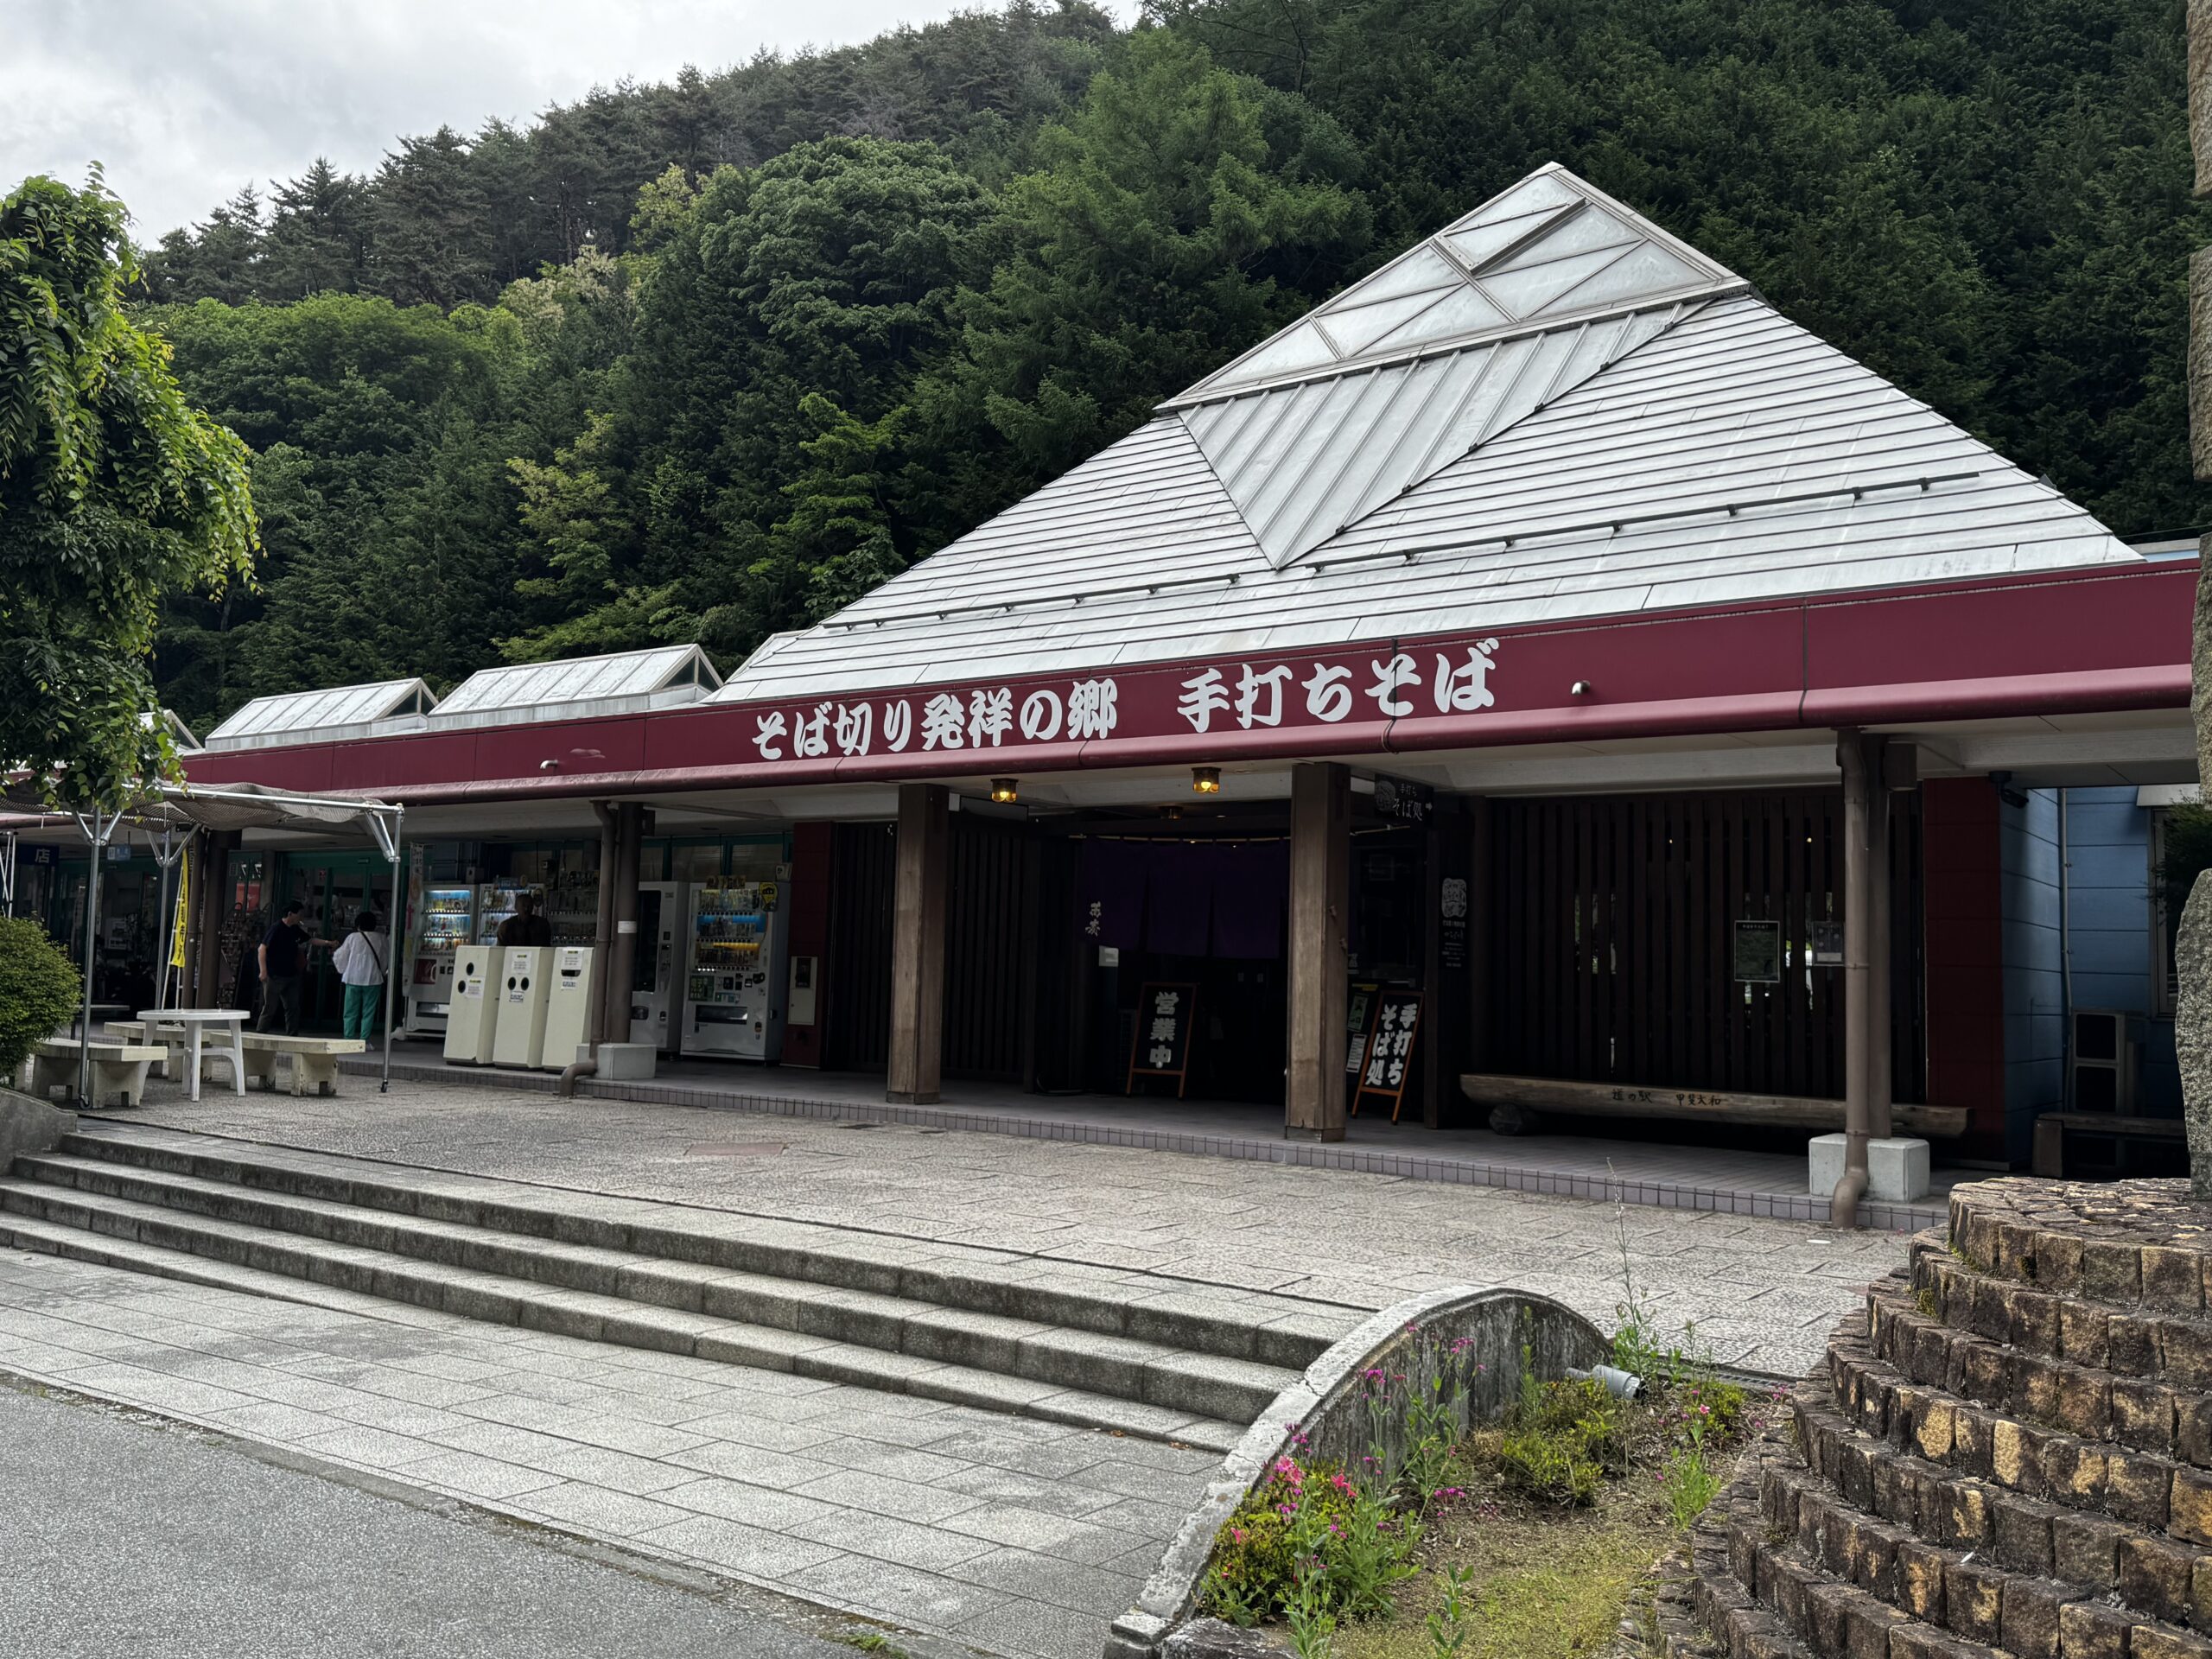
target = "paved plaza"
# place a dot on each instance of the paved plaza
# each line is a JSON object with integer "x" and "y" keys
{"x": 1760, "y": 1294}
{"x": 999, "y": 1534}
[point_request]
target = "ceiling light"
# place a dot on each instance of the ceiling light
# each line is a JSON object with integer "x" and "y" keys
{"x": 1206, "y": 781}
{"x": 1002, "y": 791}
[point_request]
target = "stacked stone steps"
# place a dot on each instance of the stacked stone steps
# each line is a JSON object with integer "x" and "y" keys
{"x": 2009, "y": 1453}
{"x": 1090, "y": 1347}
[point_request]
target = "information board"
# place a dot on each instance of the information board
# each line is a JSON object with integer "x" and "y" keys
{"x": 1758, "y": 953}
{"x": 1161, "y": 1047}
{"x": 1388, "y": 1065}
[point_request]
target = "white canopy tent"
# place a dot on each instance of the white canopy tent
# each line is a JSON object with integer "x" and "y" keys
{"x": 170, "y": 814}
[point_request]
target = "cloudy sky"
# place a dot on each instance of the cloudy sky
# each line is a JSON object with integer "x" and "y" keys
{"x": 184, "y": 101}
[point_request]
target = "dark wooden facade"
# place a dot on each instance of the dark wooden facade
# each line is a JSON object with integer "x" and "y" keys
{"x": 1612, "y": 925}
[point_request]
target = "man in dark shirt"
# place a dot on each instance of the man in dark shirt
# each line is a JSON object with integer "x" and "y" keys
{"x": 283, "y": 970}
{"x": 525, "y": 926}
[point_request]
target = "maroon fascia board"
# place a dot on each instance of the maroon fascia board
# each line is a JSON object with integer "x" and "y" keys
{"x": 2093, "y": 640}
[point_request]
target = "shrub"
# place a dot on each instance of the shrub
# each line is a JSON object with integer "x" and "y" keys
{"x": 1564, "y": 1440}
{"x": 1308, "y": 1533}
{"x": 39, "y": 990}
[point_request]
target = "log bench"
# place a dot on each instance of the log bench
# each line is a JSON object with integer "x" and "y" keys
{"x": 118, "y": 1068}
{"x": 2052, "y": 1129}
{"x": 1517, "y": 1104}
{"x": 315, "y": 1059}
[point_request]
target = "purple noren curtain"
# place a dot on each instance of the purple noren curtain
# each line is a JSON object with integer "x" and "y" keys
{"x": 1251, "y": 884}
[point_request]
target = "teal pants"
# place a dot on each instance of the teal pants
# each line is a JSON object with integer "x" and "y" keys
{"x": 362, "y": 1003}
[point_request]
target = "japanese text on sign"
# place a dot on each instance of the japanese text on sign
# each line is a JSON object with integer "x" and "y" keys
{"x": 1241, "y": 695}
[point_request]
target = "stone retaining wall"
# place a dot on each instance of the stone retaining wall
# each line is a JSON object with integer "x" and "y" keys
{"x": 2009, "y": 1452}
{"x": 1465, "y": 1344}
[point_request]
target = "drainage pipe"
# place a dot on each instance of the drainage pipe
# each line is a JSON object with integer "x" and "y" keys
{"x": 588, "y": 1065}
{"x": 1851, "y": 757}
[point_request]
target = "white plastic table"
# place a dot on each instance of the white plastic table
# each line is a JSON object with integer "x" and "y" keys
{"x": 195, "y": 1022}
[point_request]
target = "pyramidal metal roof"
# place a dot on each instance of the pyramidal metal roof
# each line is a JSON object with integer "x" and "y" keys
{"x": 1443, "y": 349}
{"x": 617, "y": 684}
{"x": 1583, "y": 418}
{"x": 306, "y": 716}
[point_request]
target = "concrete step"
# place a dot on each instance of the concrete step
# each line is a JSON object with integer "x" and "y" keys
{"x": 137, "y": 1238}
{"x": 1280, "y": 1331}
{"x": 1156, "y": 1373}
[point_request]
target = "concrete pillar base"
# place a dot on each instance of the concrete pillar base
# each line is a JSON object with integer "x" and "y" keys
{"x": 910, "y": 1097}
{"x": 626, "y": 1062}
{"x": 1897, "y": 1167}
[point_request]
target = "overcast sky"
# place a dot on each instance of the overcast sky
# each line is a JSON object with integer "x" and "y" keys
{"x": 184, "y": 101}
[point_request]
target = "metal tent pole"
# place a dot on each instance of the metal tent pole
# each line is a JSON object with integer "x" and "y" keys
{"x": 6, "y": 872}
{"x": 394, "y": 845}
{"x": 95, "y": 833}
{"x": 166, "y": 855}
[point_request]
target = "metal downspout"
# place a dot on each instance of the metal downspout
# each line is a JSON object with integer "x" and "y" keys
{"x": 588, "y": 1065}
{"x": 1851, "y": 756}
{"x": 630, "y": 819}
{"x": 395, "y": 845}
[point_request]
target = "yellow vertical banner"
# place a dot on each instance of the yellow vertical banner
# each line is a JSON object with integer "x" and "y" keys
{"x": 183, "y": 909}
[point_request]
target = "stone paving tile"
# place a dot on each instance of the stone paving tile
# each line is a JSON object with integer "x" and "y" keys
{"x": 1363, "y": 1240}
{"x": 983, "y": 1550}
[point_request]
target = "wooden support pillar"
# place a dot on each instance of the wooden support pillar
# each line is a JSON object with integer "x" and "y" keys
{"x": 211, "y": 899}
{"x": 918, "y": 947}
{"x": 1321, "y": 900}
{"x": 1440, "y": 1050}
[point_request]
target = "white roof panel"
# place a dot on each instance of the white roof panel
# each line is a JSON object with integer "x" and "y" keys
{"x": 300, "y": 716}
{"x": 580, "y": 686}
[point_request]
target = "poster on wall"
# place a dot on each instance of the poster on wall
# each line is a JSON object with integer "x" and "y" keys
{"x": 1389, "y": 1067}
{"x": 1758, "y": 953}
{"x": 1161, "y": 1046}
{"x": 1452, "y": 932}
{"x": 1357, "y": 1012}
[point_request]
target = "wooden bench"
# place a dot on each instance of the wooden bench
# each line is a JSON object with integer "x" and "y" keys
{"x": 2048, "y": 1155}
{"x": 118, "y": 1068}
{"x": 315, "y": 1059}
{"x": 1515, "y": 1102}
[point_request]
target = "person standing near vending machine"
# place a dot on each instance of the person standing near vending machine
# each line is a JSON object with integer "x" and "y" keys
{"x": 525, "y": 927}
{"x": 360, "y": 963}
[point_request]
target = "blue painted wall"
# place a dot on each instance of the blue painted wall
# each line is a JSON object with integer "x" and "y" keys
{"x": 2035, "y": 1033}
{"x": 2109, "y": 936}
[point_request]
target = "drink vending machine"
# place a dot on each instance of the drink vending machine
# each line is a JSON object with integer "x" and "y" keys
{"x": 657, "y": 968}
{"x": 497, "y": 903}
{"x": 448, "y": 922}
{"x": 733, "y": 992}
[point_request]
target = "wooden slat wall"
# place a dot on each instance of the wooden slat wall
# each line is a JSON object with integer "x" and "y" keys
{"x": 987, "y": 966}
{"x": 857, "y": 1023}
{"x": 1612, "y": 937}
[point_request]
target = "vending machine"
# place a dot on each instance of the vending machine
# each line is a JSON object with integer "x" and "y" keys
{"x": 447, "y": 921}
{"x": 496, "y": 903}
{"x": 571, "y": 987}
{"x": 657, "y": 969}
{"x": 472, "y": 1016}
{"x": 520, "y": 982}
{"x": 734, "y": 990}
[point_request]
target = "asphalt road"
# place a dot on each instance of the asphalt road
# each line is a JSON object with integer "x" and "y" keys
{"x": 121, "y": 1535}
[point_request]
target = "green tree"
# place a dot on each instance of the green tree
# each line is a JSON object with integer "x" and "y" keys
{"x": 318, "y": 238}
{"x": 114, "y": 491}
{"x": 1173, "y": 223}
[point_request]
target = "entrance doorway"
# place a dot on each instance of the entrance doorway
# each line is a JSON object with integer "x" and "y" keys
{"x": 335, "y": 888}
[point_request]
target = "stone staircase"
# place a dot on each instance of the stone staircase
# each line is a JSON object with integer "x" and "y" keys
{"x": 1096, "y": 1347}
{"x": 2009, "y": 1453}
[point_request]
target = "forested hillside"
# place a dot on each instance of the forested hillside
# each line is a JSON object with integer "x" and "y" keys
{"x": 704, "y": 360}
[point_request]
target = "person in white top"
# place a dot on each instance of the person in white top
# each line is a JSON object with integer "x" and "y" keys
{"x": 360, "y": 963}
